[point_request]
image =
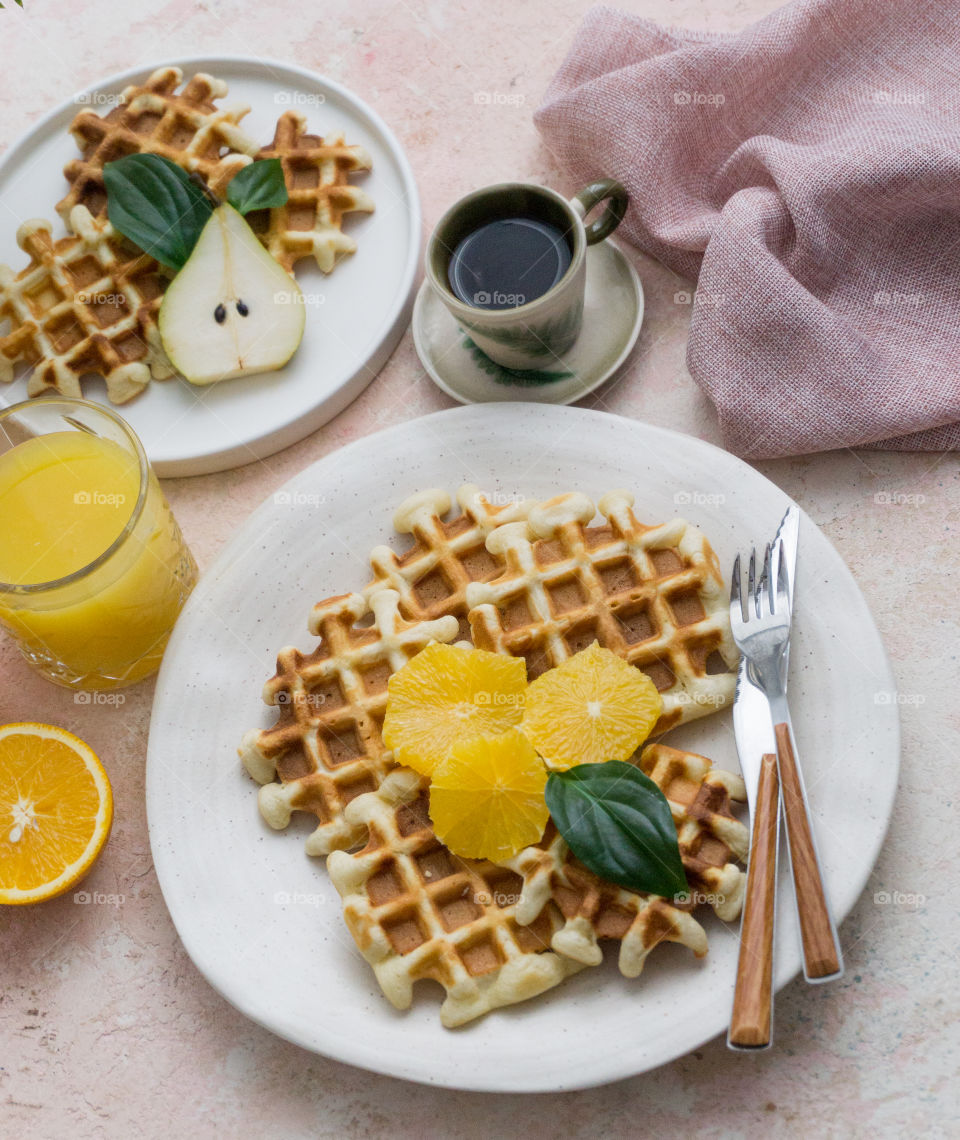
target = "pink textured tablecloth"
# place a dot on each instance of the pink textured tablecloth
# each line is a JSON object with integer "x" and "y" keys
{"x": 806, "y": 171}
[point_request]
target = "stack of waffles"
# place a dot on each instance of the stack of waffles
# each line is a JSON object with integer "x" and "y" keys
{"x": 542, "y": 581}
{"x": 87, "y": 303}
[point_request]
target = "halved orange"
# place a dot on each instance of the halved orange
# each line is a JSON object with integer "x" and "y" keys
{"x": 487, "y": 796}
{"x": 56, "y": 808}
{"x": 446, "y": 694}
{"x": 590, "y": 708}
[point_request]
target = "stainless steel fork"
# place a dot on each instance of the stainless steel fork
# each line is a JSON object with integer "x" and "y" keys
{"x": 761, "y": 630}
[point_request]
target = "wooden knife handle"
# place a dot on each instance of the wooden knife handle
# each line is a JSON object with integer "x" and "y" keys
{"x": 821, "y": 951}
{"x": 751, "y": 1022}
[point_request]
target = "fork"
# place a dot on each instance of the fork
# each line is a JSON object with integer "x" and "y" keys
{"x": 761, "y": 630}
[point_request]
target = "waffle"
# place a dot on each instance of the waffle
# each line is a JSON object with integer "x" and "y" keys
{"x": 432, "y": 576}
{"x": 325, "y": 747}
{"x": 594, "y": 910}
{"x": 315, "y": 170}
{"x": 86, "y": 303}
{"x": 654, "y": 595}
{"x": 710, "y": 837}
{"x": 418, "y": 912}
{"x": 184, "y": 126}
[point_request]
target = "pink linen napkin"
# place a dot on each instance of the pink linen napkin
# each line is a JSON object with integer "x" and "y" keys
{"x": 806, "y": 172}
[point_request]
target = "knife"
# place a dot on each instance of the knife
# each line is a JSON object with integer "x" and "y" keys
{"x": 751, "y": 1022}
{"x": 822, "y": 956}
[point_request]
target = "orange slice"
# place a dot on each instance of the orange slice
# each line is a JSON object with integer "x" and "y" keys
{"x": 592, "y": 707}
{"x": 446, "y": 694}
{"x": 56, "y": 808}
{"x": 487, "y": 796}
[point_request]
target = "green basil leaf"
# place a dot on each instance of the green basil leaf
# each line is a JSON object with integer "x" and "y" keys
{"x": 618, "y": 823}
{"x": 156, "y": 204}
{"x": 258, "y": 186}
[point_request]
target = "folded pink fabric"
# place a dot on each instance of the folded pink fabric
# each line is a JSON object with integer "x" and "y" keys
{"x": 806, "y": 172}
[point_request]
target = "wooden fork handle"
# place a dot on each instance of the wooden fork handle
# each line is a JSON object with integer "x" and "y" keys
{"x": 751, "y": 1023}
{"x": 821, "y": 951}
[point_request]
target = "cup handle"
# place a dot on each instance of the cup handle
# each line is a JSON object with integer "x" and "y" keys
{"x": 617, "y": 199}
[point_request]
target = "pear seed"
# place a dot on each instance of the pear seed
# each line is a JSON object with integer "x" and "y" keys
{"x": 220, "y": 314}
{"x": 242, "y": 308}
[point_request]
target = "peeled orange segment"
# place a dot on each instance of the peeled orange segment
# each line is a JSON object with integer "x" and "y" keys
{"x": 592, "y": 707}
{"x": 56, "y": 808}
{"x": 446, "y": 694}
{"x": 487, "y": 797}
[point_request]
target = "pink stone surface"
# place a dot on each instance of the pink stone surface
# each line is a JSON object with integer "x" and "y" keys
{"x": 106, "y": 1028}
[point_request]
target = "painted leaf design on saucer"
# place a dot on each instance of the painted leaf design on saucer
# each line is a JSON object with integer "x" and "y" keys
{"x": 528, "y": 377}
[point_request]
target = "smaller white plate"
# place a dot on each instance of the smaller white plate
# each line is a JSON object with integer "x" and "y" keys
{"x": 355, "y": 315}
{"x": 612, "y": 315}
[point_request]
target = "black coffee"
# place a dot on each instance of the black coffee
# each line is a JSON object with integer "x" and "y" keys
{"x": 508, "y": 263}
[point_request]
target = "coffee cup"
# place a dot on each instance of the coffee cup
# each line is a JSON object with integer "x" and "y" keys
{"x": 484, "y": 237}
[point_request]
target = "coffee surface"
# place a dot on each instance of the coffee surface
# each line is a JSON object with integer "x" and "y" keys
{"x": 507, "y": 263}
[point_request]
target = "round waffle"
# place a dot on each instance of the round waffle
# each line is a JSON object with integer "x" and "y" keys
{"x": 86, "y": 303}
{"x": 154, "y": 117}
{"x": 315, "y": 170}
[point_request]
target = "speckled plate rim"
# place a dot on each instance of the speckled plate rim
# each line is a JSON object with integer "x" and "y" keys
{"x": 217, "y": 446}
{"x": 597, "y": 1027}
{"x": 554, "y": 392}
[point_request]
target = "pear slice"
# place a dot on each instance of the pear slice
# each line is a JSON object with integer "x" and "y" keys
{"x": 232, "y": 310}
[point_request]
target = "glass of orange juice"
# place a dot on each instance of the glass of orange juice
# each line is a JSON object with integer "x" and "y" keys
{"x": 93, "y": 567}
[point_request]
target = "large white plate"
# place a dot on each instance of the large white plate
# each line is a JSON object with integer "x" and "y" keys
{"x": 260, "y": 918}
{"x": 355, "y": 316}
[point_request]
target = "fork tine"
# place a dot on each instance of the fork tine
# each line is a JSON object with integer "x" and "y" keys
{"x": 752, "y": 583}
{"x": 736, "y": 602}
{"x": 766, "y": 584}
{"x": 783, "y": 586}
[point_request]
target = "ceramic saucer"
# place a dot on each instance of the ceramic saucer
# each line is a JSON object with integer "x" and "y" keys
{"x": 612, "y": 315}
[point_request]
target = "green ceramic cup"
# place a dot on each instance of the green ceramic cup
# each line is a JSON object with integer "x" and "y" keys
{"x": 533, "y": 335}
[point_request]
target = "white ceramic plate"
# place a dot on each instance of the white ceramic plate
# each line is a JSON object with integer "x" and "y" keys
{"x": 355, "y": 316}
{"x": 260, "y": 918}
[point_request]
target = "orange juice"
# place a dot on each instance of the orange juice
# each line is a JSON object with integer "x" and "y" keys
{"x": 93, "y": 569}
